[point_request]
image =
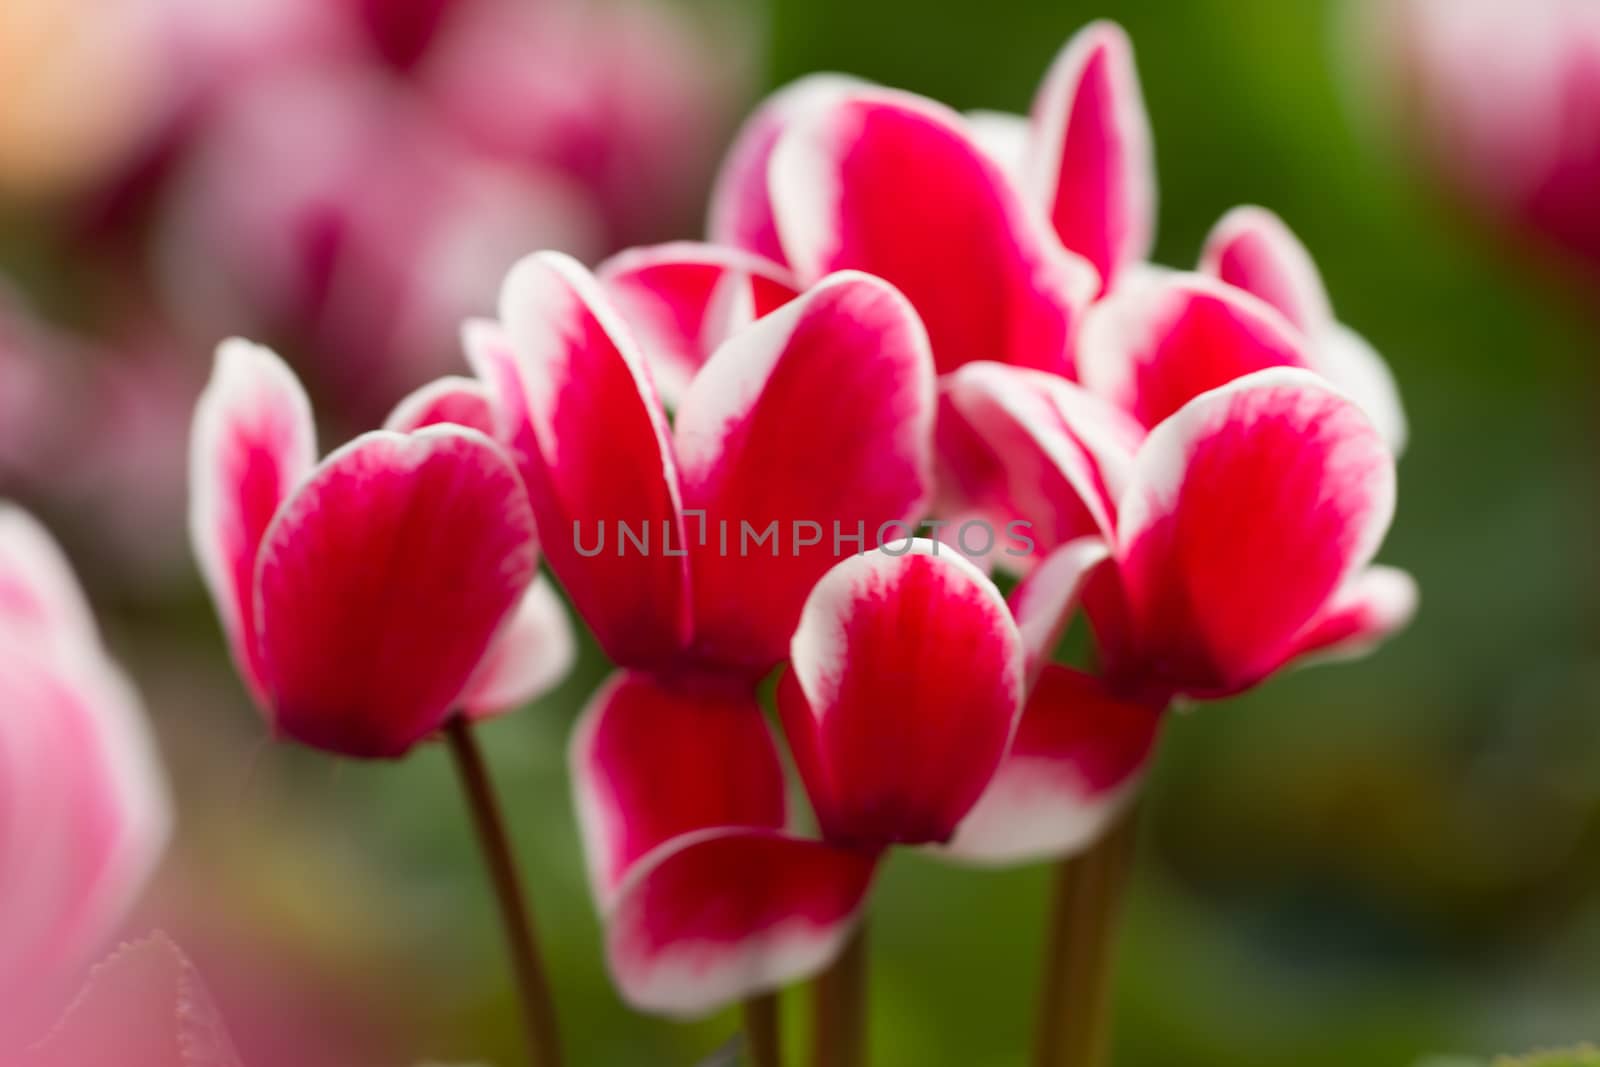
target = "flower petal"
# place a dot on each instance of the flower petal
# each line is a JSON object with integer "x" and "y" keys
{"x": 1250, "y": 509}
{"x": 601, "y": 460}
{"x": 1078, "y": 757}
{"x": 684, "y": 299}
{"x": 1065, "y": 455}
{"x": 1346, "y": 359}
{"x": 1044, "y": 603}
{"x": 756, "y": 455}
{"x": 1153, "y": 347}
{"x": 253, "y": 442}
{"x": 741, "y": 205}
{"x": 653, "y": 758}
{"x": 39, "y": 595}
{"x": 894, "y": 185}
{"x": 1252, "y": 249}
{"x": 382, "y": 582}
{"x": 449, "y": 401}
{"x": 84, "y": 815}
{"x": 531, "y": 655}
{"x": 1005, "y": 136}
{"x": 494, "y": 362}
{"x": 716, "y": 916}
{"x": 904, "y": 689}
{"x": 1372, "y": 605}
{"x": 1091, "y": 164}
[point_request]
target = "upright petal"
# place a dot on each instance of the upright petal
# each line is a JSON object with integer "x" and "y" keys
{"x": 904, "y": 689}
{"x": 1091, "y": 164}
{"x": 39, "y": 595}
{"x": 494, "y": 363}
{"x": 1252, "y": 249}
{"x": 383, "y": 581}
{"x": 531, "y": 655}
{"x": 1250, "y": 509}
{"x": 894, "y": 185}
{"x": 715, "y": 916}
{"x": 1064, "y": 454}
{"x": 1008, "y": 139}
{"x": 1078, "y": 756}
{"x": 813, "y": 424}
{"x": 653, "y": 758}
{"x": 741, "y": 204}
{"x": 1151, "y": 348}
{"x": 682, "y": 300}
{"x": 1044, "y": 603}
{"x": 84, "y": 815}
{"x": 447, "y": 401}
{"x": 253, "y": 442}
{"x": 602, "y": 461}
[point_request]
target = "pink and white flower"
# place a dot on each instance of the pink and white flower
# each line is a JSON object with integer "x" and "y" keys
{"x": 368, "y": 597}
{"x": 84, "y": 813}
{"x": 895, "y": 736}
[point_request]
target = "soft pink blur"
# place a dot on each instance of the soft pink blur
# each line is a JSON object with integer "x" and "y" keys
{"x": 1503, "y": 101}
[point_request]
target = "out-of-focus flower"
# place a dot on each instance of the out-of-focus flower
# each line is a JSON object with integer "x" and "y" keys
{"x": 364, "y": 597}
{"x": 895, "y": 738}
{"x": 292, "y": 218}
{"x": 1503, "y": 102}
{"x": 83, "y": 806}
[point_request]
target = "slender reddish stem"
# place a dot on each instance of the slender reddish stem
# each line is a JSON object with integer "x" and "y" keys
{"x": 533, "y": 985}
{"x": 1074, "y": 1024}
{"x": 839, "y": 1007}
{"x": 762, "y": 1033}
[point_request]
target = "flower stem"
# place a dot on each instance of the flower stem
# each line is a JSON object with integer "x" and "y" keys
{"x": 1074, "y": 1024}
{"x": 839, "y": 1007}
{"x": 533, "y": 986}
{"x": 763, "y": 1046}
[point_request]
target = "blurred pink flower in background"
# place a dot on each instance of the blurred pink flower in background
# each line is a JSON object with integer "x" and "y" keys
{"x": 1503, "y": 100}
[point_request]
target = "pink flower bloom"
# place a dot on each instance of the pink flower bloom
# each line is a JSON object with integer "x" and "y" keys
{"x": 735, "y": 505}
{"x": 368, "y": 597}
{"x": 895, "y": 738}
{"x": 1504, "y": 102}
{"x": 83, "y": 809}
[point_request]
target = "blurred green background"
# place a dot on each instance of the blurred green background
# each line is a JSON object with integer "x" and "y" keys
{"x": 1355, "y": 865}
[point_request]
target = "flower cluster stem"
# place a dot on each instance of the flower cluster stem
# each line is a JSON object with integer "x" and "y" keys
{"x": 762, "y": 1035}
{"x": 1074, "y": 1024}
{"x": 533, "y": 985}
{"x": 839, "y": 1007}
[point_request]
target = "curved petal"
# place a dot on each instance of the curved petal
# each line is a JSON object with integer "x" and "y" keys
{"x": 602, "y": 462}
{"x": 1091, "y": 162}
{"x": 1044, "y": 603}
{"x": 683, "y": 299}
{"x": 741, "y": 205}
{"x": 904, "y": 689}
{"x": 719, "y": 915}
{"x": 894, "y": 185}
{"x": 1250, "y": 509}
{"x": 494, "y": 362}
{"x": 1252, "y": 249}
{"x": 1346, "y": 359}
{"x": 84, "y": 815}
{"x": 1372, "y": 605}
{"x": 382, "y": 582}
{"x": 531, "y": 655}
{"x": 39, "y": 595}
{"x": 252, "y": 443}
{"x": 448, "y": 401}
{"x": 1078, "y": 757}
{"x": 1153, "y": 347}
{"x": 653, "y": 758}
{"x": 815, "y": 424}
{"x": 1064, "y": 455}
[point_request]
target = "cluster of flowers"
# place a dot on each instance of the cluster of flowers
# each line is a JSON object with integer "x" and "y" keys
{"x": 902, "y": 312}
